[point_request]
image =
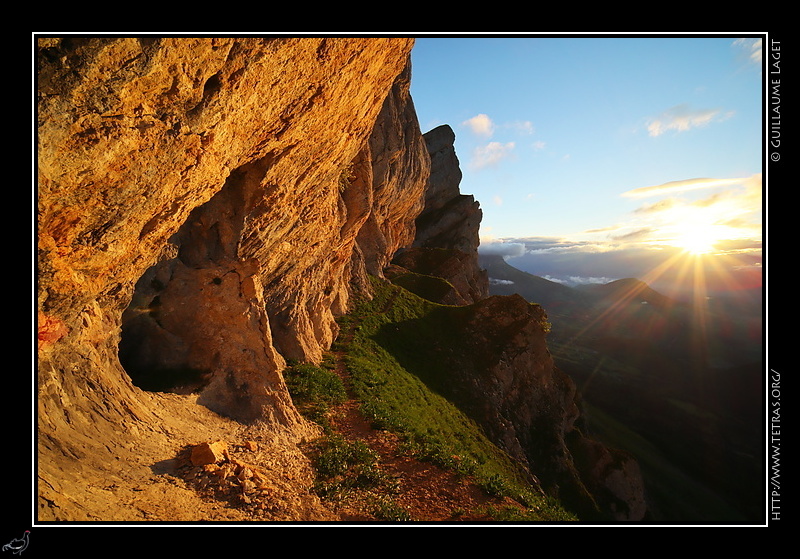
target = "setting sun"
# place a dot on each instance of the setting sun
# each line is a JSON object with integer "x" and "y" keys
{"x": 697, "y": 238}
{"x": 698, "y": 228}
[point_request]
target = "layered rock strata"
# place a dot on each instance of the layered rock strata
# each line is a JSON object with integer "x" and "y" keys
{"x": 205, "y": 208}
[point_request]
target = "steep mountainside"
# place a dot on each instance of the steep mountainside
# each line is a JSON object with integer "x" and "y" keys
{"x": 491, "y": 359}
{"x": 207, "y": 209}
{"x": 489, "y": 355}
{"x": 676, "y": 384}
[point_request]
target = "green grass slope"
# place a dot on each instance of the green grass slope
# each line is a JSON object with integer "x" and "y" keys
{"x": 433, "y": 427}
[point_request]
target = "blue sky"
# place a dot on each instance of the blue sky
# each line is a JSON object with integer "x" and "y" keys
{"x": 563, "y": 140}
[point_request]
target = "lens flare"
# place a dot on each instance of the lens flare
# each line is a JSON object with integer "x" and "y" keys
{"x": 696, "y": 230}
{"x": 698, "y": 238}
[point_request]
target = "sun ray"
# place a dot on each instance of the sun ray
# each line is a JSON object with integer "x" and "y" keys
{"x": 628, "y": 296}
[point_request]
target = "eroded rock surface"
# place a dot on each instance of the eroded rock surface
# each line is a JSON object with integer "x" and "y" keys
{"x": 205, "y": 208}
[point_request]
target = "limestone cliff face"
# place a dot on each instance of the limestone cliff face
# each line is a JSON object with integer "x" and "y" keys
{"x": 205, "y": 208}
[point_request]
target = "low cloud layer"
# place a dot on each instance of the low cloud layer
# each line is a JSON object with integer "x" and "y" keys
{"x": 502, "y": 248}
{"x": 665, "y": 268}
{"x": 573, "y": 281}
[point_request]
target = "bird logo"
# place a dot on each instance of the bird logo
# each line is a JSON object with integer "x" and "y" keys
{"x": 18, "y": 545}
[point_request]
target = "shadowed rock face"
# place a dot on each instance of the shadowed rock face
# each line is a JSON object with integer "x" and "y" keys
{"x": 448, "y": 229}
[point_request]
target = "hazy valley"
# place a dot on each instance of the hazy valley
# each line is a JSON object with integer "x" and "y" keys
{"x": 677, "y": 385}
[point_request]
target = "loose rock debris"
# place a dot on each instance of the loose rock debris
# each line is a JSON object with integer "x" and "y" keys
{"x": 216, "y": 471}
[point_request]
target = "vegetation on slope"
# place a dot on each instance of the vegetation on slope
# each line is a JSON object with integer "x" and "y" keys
{"x": 697, "y": 463}
{"x": 430, "y": 427}
{"x": 674, "y": 384}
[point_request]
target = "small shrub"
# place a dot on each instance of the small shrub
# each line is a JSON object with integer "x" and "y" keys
{"x": 343, "y": 465}
{"x": 386, "y": 509}
{"x": 380, "y": 417}
{"x": 346, "y": 176}
{"x": 495, "y": 485}
{"x": 314, "y": 390}
{"x": 314, "y": 384}
{"x": 336, "y": 456}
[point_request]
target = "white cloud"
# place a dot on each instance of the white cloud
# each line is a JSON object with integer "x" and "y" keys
{"x": 681, "y": 186}
{"x": 752, "y": 49}
{"x": 580, "y": 280}
{"x": 491, "y": 154}
{"x": 682, "y": 118}
{"x": 660, "y": 206}
{"x": 480, "y": 124}
{"x": 643, "y": 233}
{"x": 483, "y": 125}
{"x": 523, "y": 126}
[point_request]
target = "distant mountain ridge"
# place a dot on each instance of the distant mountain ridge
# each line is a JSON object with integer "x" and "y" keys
{"x": 627, "y": 289}
{"x": 572, "y": 306}
{"x": 505, "y": 279}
